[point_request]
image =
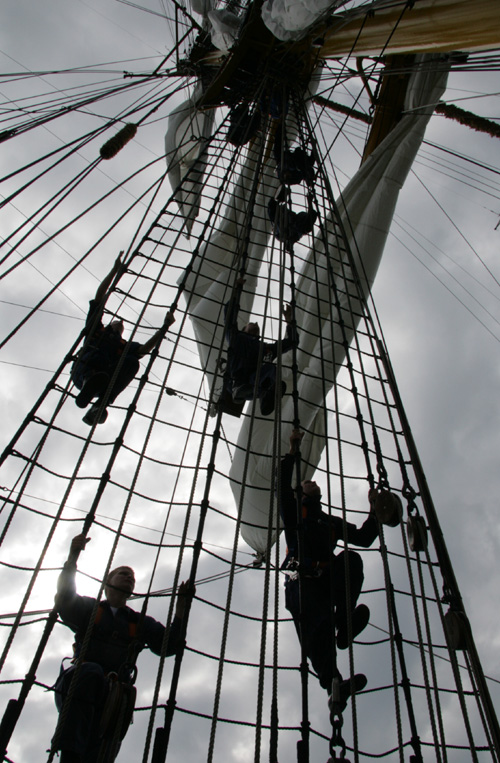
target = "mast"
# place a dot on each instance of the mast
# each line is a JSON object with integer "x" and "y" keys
{"x": 154, "y": 481}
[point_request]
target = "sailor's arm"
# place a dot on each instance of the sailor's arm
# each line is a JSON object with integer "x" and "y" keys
{"x": 147, "y": 347}
{"x": 231, "y": 310}
{"x": 292, "y": 337}
{"x": 311, "y": 214}
{"x": 288, "y": 501}
{"x": 106, "y": 282}
{"x": 365, "y": 535}
{"x": 156, "y": 630}
{"x": 66, "y": 586}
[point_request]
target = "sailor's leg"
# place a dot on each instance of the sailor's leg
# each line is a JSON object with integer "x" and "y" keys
{"x": 94, "y": 385}
{"x": 314, "y": 626}
{"x": 90, "y": 376}
{"x": 346, "y": 609}
{"x": 267, "y": 388}
{"x": 126, "y": 374}
{"x": 242, "y": 387}
{"x": 98, "y": 415}
{"x": 79, "y": 733}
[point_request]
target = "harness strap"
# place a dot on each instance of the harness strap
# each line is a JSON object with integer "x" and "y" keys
{"x": 132, "y": 626}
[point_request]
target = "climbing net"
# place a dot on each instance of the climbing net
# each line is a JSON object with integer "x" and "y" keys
{"x": 150, "y": 487}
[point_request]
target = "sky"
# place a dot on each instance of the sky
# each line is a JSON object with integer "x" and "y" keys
{"x": 436, "y": 295}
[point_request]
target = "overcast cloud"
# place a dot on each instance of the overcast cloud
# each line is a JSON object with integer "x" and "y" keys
{"x": 438, "y": 308}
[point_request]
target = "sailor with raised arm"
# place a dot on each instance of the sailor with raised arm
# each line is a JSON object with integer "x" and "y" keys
{"x": 323, "y": 579}
{"x": 106, "y": 351}
{"x": 245, "y": 349}
{"x": 290, "y": 226}
{"x": 292, "y": 166}
{"x": 116, "y": 629}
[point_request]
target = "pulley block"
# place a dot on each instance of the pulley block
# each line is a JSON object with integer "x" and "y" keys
{"x": 416, "y": 531}
{"x": 457, "y": 628}
{"x": 388, "y": 508}
{"x": 118, "y": 709}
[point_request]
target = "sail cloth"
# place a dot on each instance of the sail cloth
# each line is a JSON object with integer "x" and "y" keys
{"x": 366, "y": 208}
{"x": 222, "y": 25}
{"x": 423, "y": 26}
{"x": 225, "y": 28}
{"x": 189, "y": 128}
{"x": 208, "y": 287}
{"x": 185, "y": 142}
{"x": 287, "y": 19}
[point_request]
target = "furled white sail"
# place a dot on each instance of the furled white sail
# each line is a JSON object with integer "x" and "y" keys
{"x": 185, "y": 141}
{"x": 221, "y": 24}
{"x": 188, "y": 127}
{"x": 287, "y": 19}
{"x": 207, "y": 287}
{"x": 367, "y": 208}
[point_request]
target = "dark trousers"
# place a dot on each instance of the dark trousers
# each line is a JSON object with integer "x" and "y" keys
{"x": 246, "y": 380}
{"x": 318, "y": 598}
{"x": 80, "y": 731}
{"x": 98, "y": 362}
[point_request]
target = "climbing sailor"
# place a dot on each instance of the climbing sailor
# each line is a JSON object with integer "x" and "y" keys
{"x": 243, "y": 126}
{"x": 290, "y": 226}
{"x": 244, "y": 350}
{"x": 324, "y": 580}
{"x": 292, "y": 167}
{"x": 116, "y": 629}
{"x": 104, "y": 352}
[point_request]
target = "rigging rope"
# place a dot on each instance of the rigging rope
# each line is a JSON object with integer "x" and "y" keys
{"x": 158, "y": 463}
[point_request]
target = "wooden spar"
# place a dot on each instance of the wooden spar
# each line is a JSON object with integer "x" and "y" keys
{"x": 391, "y": 100}
{"x": 390, "y": 105}
{"x": 334, "y": 106}
{"x": 429, "y": 26}
{"x": 480, "y": 124}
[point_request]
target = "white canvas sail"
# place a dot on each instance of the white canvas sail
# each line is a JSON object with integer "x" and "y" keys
{"x": 287, "y": 19}
{"x": 185, "y": 141}
{"x": 367, "y": 208}
{"x": 207, "y": 288}
{"x": 208, "y": 285}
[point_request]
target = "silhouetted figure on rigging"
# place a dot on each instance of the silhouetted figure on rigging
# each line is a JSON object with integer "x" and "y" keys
{"x": 245, "y": 349}
{"x": 118, "y": 635}
{"x": 323, "y": 576}
{"x": 243, "y": 126}
{"x": 290, "y": 226}
{"x": 292, "y": 167}
{"x": 103, "y": 352}
{"x": 274, "y": 101}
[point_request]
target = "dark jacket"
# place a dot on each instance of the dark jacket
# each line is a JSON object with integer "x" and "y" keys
{"x": 244, "y": 349}
{"x": 103, "y": 347}
{"x": 321, "y": 531}
{"x": 103, "y": 339}
{"x": 112, "y": 634}
{"x": 292, "y": 166}
{"x": 290, "y": 226}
